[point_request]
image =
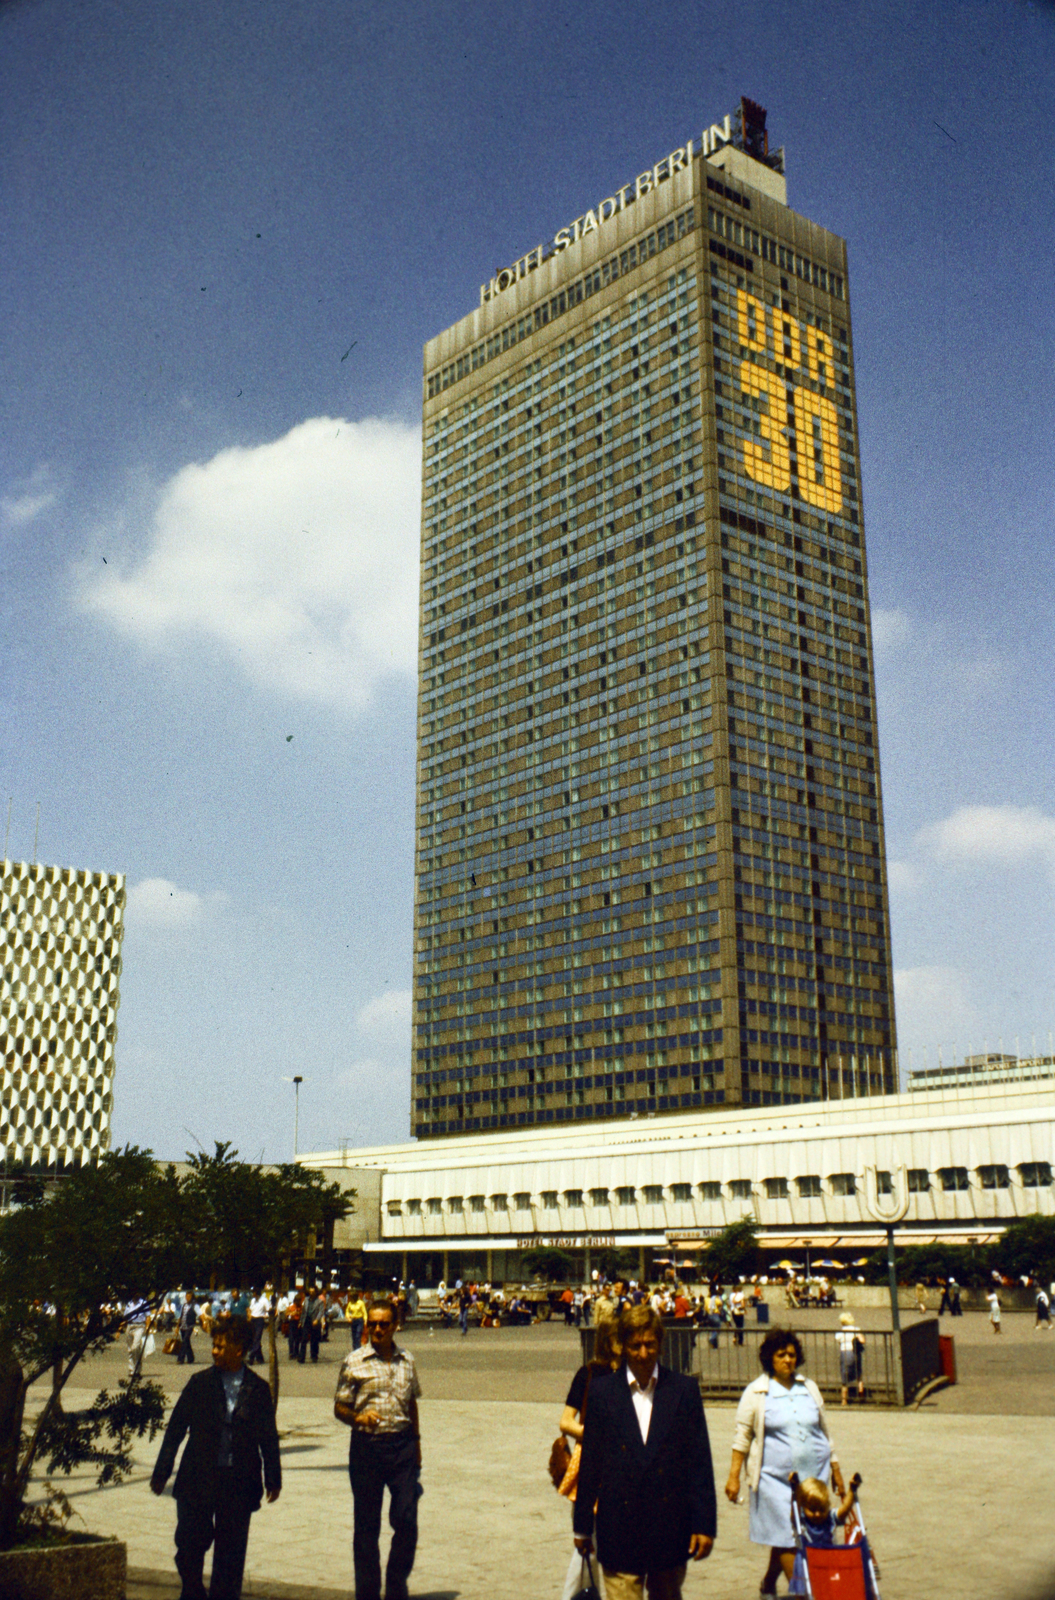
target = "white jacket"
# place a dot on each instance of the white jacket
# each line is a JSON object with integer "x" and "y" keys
{"x": 751, "y": 1423}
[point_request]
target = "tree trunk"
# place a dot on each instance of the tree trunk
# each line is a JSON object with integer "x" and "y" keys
{"x": 272, "y": 1359}
{"x": 327, "y": 1251}
{"x": 12, "y": 1408}
{"x": 56, "y": 1365}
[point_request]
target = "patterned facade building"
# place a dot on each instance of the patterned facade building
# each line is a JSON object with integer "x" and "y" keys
{"x": 650, "y": 857}
{"x": 60, "y": 941}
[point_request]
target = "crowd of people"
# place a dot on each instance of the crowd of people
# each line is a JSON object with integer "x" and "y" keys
{"x": 638, "y": 1468}
{"x": 632, "y": 1454}
{"x": 306, "y": 1317}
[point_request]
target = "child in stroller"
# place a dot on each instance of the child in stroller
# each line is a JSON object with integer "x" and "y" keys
{"x": 815, "y": 1524}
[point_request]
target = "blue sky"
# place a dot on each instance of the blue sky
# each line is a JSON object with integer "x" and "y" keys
{"x": 229, "y": 231}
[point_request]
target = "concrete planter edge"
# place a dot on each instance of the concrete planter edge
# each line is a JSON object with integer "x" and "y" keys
{"x": 87, "y": 1568}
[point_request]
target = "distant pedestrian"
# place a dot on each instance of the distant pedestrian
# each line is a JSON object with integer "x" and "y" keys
{"x": 377, "y": 1398}
{"x": 465, "y": 1300}
{"x": 921, "y": 1298}
{"x": 227, "y": 1412}
{"x": 1043, "y": 1310}
{"x": 851, "y": 1344}
{"x": 259, "y": 1312}
{"x": 994, "y": 1309}
{"x": 604, "y": 1306}
{"x": 736, "y": 1311}
{"x": 188, "y": 1316}
{"x": 355, "y": 1316}
{"x": 294, "y": 1312}
{"x": 312, "y": 1319}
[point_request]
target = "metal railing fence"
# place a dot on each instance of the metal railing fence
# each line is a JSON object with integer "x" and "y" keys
{"x": 726, "y": 1361}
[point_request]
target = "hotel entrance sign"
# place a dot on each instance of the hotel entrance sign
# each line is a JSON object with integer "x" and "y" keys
{"x": 568, "y": 1241}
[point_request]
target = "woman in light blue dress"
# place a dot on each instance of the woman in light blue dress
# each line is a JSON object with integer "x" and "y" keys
{"x": 780, "y": 1429}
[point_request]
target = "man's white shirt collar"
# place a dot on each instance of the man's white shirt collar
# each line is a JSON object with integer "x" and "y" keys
{"x": 642, "y": 1397}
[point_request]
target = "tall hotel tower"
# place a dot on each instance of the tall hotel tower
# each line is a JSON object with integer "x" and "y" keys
{"x": 650, "y": 862}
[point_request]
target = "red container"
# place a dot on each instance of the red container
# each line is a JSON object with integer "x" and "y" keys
{"x": 947, "y": 1355}
{"x": 838, "y": 1574}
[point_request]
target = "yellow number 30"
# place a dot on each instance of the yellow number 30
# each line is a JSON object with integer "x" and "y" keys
{"x": 816, "y": 424}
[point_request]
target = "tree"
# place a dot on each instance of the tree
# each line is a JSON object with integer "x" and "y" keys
{"x": 617, "y": 1263}
{"x": 924, "y": 1263}
{"x": 732, "y": 1253}
{"x": 244, "y": 1221}
{"x": 1027, "y": 1249}
{"x": 71, "y": 1257}
{"x": 74, "y": 1254}
{"x": 555, "y": 1266}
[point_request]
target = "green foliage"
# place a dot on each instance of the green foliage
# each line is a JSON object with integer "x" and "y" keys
{"x": 555, "y": 1266}
{"x": 926, "y": 1263}
{"x": 616, "y": 1264}
{"x": 1027, "y": 1248}
{"x": 242, "y": 1220}
{"x": 72, "y": 1438}
{"x": 100, "y": 1237}
{"x": 72, "y": 1255}
{"x": 45, "y": 1523}
{"x": 731, "y": 1254}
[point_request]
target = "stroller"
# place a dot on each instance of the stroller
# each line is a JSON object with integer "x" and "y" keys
{"x": 842, "y": 1572}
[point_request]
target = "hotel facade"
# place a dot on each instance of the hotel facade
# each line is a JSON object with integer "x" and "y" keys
{"x": 819, "y": 1180}
{"x": 650, "y": 870}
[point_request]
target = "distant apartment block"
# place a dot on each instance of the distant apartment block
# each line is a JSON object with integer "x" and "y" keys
{"x": 60, "y": 943}
{"x": 994, "y": 1067}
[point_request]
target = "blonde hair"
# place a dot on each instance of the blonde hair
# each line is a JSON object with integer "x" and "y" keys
{"x": 814, "y": 1494}
{"x": 846, "y": 1318}
{"x": 607, "y": 1349}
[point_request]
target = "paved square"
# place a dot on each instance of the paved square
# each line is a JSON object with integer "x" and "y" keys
{"x": 957, "y": 1495}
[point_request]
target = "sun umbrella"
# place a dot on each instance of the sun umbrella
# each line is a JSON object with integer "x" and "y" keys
{"x": 837, "y": 1264}
{"x": 791, "y": 1266}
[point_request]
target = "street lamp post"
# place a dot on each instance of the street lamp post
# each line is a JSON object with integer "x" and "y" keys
{"x": 297, "y": 1081}
{"x": 889, "y": 1214}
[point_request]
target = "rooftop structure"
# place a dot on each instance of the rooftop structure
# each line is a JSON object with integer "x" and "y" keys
{"x": 989, "y": 1068}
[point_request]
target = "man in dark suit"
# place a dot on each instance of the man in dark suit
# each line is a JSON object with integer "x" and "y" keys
{"x": 228, "y": 1414}
{"x": 188, "y": 1316}
{"x": 646, "y": 1465}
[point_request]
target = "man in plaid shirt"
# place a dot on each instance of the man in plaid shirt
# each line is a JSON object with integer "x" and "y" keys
{"x": 377, "y": 1398}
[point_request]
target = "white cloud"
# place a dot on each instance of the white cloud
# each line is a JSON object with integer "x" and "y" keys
{"x": 902, "y": 877}
{"x": 387, "y": 1013}
{"x": 891, "y": 628}
{"x": 29, "y": 498}
{"x": 298, "y": 558}
{"x": 1005, "y": 835}
{"x": 934, "y": 1003}
{"x": 157, "y": 903}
